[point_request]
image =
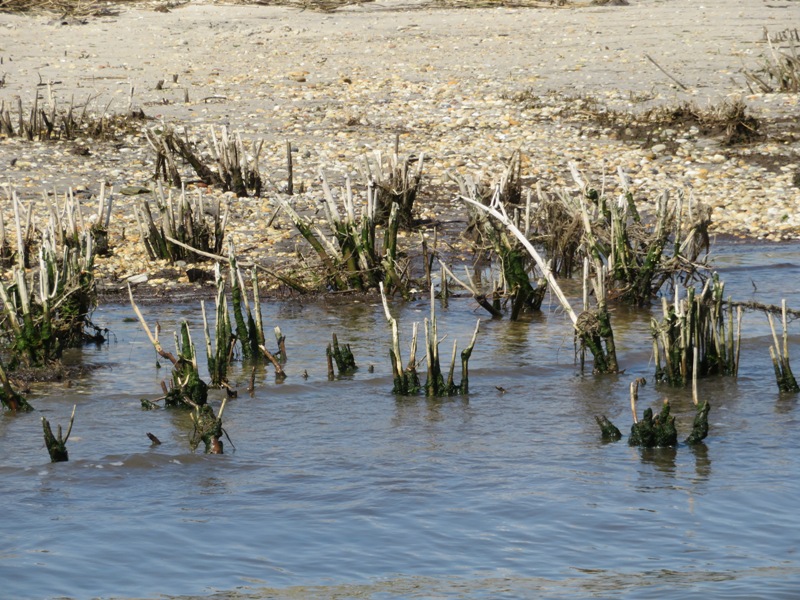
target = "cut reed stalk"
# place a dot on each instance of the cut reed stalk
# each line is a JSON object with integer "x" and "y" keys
{"x": 780, "y": 355}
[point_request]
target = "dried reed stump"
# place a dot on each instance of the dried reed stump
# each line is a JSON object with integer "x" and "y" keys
{"x": 342, "y": 355}
{"x": 57, "y": 445}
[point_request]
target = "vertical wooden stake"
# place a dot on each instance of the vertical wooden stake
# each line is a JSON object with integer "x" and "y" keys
{"x": 528, "y": 213}
{"x": 329, "y": 356}
{"x": 290, "y": 178}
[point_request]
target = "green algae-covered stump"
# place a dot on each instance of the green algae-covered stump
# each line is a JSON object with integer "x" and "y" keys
{"x": 654, "y": 431}
{"x": 345, "y": 361}
{"x": 208, "y": 429}
{"x": 608, "y": 431}
{"x": 700, "y": 425}
{"x": 57, "y": 445}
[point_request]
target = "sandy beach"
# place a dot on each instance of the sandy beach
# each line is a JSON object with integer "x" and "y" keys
{"x": 466, "y": 87}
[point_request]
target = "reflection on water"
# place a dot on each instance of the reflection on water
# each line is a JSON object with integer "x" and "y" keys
{"x": 663, "y": 459}
{"x": 702, "y": 462}
{"x": 341, "y": 489}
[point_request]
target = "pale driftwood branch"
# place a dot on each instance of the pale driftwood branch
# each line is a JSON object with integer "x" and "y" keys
{"x": 152, "y": 336}
{"x": 767, "y": 308}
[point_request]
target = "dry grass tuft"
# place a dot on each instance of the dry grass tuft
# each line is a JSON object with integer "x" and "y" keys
{"x": 728, "y": 120}
{"x": 781, "y": 70}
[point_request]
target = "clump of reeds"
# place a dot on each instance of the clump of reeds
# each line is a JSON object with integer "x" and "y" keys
{"x": 219, "y": 352}
{"x": 249, "y": 325}
{"x": 406, "y": 379}
{"x": 557, "y": 226}
{"x": 189, "y": 227}
{"x": 186, "y": 389}
{"x": 652, "y": 431}
{"x": 507, "y": 188}
{"x": 395, "y": 181}
{"x": 500, "y": 3}
{"x": 780, "y": 355}
{"x": 350, "y": 256}
{"x": 72, "y": 8}
{"x": 593, "y": 327}
{"x": 702, "y": 321}
{"x": 782, "y": 36}
{"x": 248, "y": 320}
{"x": 657, "y": 430}
{"x": 68, "y": 223}
{"x": 728, "y": 120}
{"x": 492, "y": 236}
{"x": 46, "y": 120}
{"x": 235, "y": 168}
{"x": 640, "y": 257}
{"x": 48, "y": 308}
{"x": 733, "y": 119}
{"x": 557, "y": 104}
{"x": 781, "y": 69}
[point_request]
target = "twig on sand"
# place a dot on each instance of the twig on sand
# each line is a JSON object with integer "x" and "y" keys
{"x": 660, "y": 68}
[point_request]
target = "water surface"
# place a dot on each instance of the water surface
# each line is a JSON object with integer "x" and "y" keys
{"x": 339, "y": 489}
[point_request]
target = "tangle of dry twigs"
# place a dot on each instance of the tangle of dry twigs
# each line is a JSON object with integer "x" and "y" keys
{"x": 73, "y": 8}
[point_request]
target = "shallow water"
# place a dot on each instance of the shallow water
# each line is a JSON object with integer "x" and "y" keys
{"x": 339, "y": 489}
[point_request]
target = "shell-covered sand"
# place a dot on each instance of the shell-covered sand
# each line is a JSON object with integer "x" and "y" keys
{"x": 466, "y": 87}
